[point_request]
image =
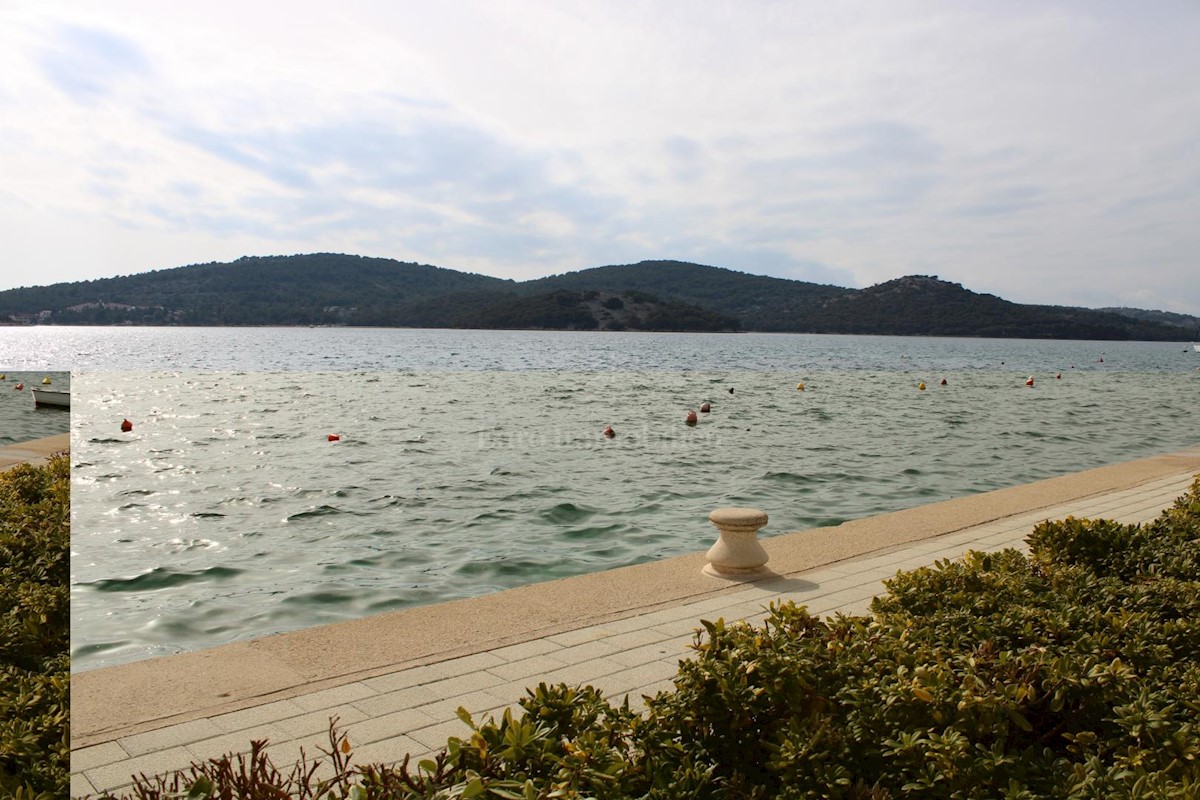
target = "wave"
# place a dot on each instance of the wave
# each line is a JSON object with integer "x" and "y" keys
{"x": 163, "y": 578}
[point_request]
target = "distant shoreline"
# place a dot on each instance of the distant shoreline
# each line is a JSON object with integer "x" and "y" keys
{"x": 54, "y": 325}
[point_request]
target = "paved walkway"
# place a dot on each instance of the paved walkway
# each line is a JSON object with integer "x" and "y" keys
{"x": 392, "y": 711}
{"x": 35, "y": 451}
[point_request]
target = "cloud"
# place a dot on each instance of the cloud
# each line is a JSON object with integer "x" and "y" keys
{"x": 1004, "y": 200}
{"x": 1028, "y": 152}
{"x": 88, "y": 64}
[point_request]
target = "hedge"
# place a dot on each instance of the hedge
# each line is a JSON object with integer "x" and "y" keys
{"x": 35, "y": 534}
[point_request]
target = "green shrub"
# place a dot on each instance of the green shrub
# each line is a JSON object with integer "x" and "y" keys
{"x": 1071, "y": 673}
{"x": 35, "y": 534}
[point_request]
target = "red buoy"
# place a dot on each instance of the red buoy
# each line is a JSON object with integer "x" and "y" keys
{"x": 943, "y": 381}
{"x": 333, "y": 437}
{"x": 1030, "y": 381}
{"x": 609, "y": 432}
{"x": 1058, "y": 376}
{"x": 691, "y": 418}
{"x": 126, "y": 426}
{"x": 19, "y": 386}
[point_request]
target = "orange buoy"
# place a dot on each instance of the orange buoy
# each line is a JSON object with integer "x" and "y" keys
{"x": 921, "y": 386}
{"x": 609, "y": 432}
{"x": 1029, "y": 382}
{"x": 691, "y": 418}
{"x": 333, "y": 437}
{"x": 799, "y": 387}
{"x": 126, "y": 426}
{"x": 19, "y": 386}
{"x": 944, "y": 382}
{"x": 705, "y": 408}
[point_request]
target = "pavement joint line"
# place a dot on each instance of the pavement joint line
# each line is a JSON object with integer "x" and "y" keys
{"x": 635, "y": 648}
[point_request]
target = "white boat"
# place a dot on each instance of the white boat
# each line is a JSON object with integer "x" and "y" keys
{"x": 51, "y": 397}
{"x": 1196, "y": 347}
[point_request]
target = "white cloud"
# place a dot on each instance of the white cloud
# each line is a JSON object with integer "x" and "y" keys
{"x": 1042, "y": 153}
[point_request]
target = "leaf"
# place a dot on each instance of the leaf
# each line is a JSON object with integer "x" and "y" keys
{"x": 202, "y": 788}
{"x": 1020, "y": 721}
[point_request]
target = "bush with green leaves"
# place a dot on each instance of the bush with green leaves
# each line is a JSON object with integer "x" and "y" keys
{"x": 35, "y": 537}
{"x": 1073, "y": 672}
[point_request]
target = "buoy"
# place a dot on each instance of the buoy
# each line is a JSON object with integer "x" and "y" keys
{"x": 921, "y": 386}
{"x": 705, "y": 408}
{"x": 731, "y": 390}
{"x": 943, "y": 381}
{"x": 1058, "y": 376}
{"x": 799, "y": 387}
{"x": 46, "y": 381}
{"x": 126, "y": 426}
{"x": 1101, "y": 359}
{"x": 691, "y": 418}
{"x": 1029, "y": 382}
{"x": 609, "y": 432}
{"x": 333, "y": 437}
{"x": 3, "y": 376}
{"x": 19, "y": 386}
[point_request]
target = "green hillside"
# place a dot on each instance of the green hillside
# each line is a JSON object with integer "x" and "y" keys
{"x": 924, "y": 305}
{"x": 273, "y": 290}
{"x": 332, "y": 289}
{"x": 759, "y": 302}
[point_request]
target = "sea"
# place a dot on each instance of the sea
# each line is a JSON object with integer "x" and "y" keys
{"x": 279, "y": 478}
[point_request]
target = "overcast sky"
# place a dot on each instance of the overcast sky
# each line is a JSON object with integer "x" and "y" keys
{"x": 1044, "y": 152}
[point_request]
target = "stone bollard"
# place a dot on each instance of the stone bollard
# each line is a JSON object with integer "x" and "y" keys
{"x": 737, "y": 553}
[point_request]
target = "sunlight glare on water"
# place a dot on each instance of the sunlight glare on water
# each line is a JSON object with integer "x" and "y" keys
{"x": 226, "y": 513}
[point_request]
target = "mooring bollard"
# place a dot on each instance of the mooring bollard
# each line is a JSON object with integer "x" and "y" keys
{"x": 737, "y": 553}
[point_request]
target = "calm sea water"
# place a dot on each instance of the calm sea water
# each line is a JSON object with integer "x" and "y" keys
{"x": 472, "y": 461}
{"x": 20, "y": 420}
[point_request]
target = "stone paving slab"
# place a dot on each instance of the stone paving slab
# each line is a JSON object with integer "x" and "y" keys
{"x": 411, "y": 710}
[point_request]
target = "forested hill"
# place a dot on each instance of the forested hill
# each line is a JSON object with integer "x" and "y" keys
{"x": 758, "y": 301}
{"x": 273, "y": 290}
{"x": 924, "y": 305}
{"x": 330, "y": 289}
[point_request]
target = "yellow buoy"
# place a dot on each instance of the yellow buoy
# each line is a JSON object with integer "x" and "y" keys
{"x": 921, "y": 386}
{"x": 3, "y": 376}
{"x": 46, "y": 381}
{"x": 799, "y": 387}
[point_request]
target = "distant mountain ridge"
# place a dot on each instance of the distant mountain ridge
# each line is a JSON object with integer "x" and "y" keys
{"x": 334, "y": 289}
{"x": 1169, "y": 317}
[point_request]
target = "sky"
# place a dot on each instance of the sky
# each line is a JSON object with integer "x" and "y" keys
{"x": 1042, "y": 152}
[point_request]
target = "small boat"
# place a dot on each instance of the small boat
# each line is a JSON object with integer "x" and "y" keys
{"x": 51, "y": 397}
{"x": 1196, "y": 347}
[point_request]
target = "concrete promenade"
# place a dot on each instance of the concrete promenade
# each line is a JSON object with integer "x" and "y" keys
{"x": 35, "y": 451}
{"x": 396, "y": 680}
